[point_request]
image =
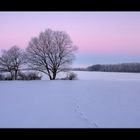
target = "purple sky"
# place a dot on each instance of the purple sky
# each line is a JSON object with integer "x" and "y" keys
{"x": 102, "y": 37}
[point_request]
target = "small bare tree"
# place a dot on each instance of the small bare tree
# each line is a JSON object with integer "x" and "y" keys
{"x": 51, "y": 52}
{"x": 11, "y": 61}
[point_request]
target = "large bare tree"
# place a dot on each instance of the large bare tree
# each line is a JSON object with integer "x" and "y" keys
{"x": 51, "y": 52}
{"x": 11, "y": 61}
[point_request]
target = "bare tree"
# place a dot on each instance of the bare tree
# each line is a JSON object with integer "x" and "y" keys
{"x": 51, "y": 52}
{"x": 11, "y": 61}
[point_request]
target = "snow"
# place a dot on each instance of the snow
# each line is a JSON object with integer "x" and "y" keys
{"x": 96, "y": 100}
{"x": 84, "y": 75}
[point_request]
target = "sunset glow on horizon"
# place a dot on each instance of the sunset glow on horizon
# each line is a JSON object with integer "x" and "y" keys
{"x": 102, "y": 37}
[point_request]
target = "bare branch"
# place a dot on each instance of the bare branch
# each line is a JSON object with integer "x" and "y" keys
{"x": 50, "y": 52}
{"x": 12, "y": 60}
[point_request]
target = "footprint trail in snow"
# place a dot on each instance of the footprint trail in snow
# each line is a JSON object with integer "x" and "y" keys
{"x": 82, "y": 116}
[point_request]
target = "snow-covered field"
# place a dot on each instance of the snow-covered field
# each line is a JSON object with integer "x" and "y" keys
{"x": 96, "y": 100}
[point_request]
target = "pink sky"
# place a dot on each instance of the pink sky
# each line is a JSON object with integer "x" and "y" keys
{"x": 97, "y": 33}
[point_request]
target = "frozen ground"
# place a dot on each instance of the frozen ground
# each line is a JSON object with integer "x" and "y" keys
{"x": 96, "y": 100}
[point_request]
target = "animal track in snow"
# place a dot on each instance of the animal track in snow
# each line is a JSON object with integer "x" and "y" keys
{"x": 82, "y": 115}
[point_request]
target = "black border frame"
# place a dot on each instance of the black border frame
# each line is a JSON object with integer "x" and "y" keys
{"x": 71, "y": 5}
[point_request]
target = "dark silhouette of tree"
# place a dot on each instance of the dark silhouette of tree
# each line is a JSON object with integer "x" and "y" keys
{"x": 51, "y": 52}
{"x": 11, "y": 61}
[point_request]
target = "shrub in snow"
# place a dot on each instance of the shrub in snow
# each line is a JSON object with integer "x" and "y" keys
{"x": 71, "y": 76}
{"x": 29, "y": 76}
{"x": 5, "y": 77}
{"x": 2, "y": 77}
{"x": 62, "y": 78}
{"x": 8, "y": 77}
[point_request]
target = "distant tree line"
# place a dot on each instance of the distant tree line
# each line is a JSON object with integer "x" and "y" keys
{"x": 78, "y": 69}
{"x": 123, "y": 67}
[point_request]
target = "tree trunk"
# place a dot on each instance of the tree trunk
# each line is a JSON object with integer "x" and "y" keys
{"x": 12, "y": 75}
{"x": 54, "y": 75}
{"x": 50, "y": 77}
{"x": 15, "y": 75}
{"x": 48, "y": 72}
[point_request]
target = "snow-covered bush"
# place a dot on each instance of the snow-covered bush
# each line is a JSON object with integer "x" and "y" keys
{"x": 71, "y": 76}
{"x": 29, "y": 76}
{"x": 2, "y": 77}
{"x": 5, "y": 77}
{"x": 8, "y": 77}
